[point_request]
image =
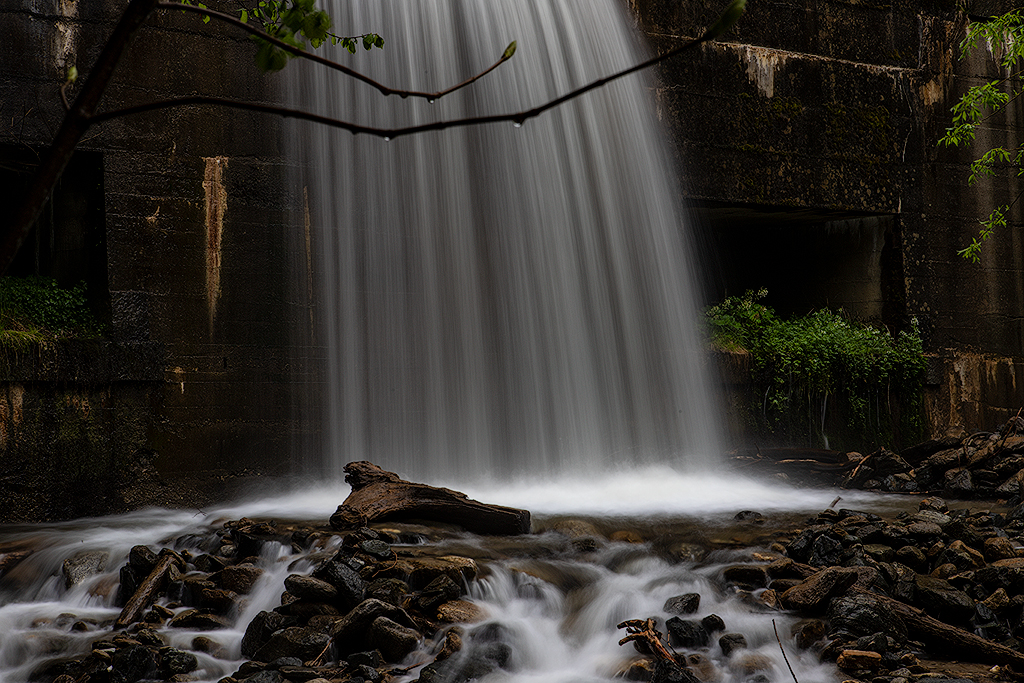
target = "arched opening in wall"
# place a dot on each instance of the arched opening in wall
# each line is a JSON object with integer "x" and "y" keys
{"x": 806, "y": 259}
{"x": 68, "y": 243}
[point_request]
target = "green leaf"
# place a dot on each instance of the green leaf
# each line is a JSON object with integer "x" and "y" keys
{"x": 72, "y": 73}
{"x": 509, "y": 51}
{"x": 244, "y": 16}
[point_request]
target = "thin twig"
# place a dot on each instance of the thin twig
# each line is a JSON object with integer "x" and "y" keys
{"x": 299, "y": 52}
{"x": 784, "y": 652}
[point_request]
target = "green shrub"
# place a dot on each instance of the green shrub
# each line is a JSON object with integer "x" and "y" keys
{"x": 35, "y": 309}
{"x": 805, "y": 365}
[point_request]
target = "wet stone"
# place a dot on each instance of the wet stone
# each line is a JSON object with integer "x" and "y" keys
{"x": 730, "y": 642}
{"x": 687, "y": 633}
{"x": 309, "y": 588}
{"x": 687, "y": 603}
{"x": 377, "y": 549}
{"x": 239, "y": 578}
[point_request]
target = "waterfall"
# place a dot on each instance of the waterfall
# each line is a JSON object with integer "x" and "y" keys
{"x": 497, "y": 299}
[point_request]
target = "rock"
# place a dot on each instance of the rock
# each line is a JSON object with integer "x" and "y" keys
{"x": 924, "y": 531}
{"x": 259, "y": 630}
{"x": 751, "y": 663}
{"x": 392, "y": 640}
{"x": 239, "y": 578}
{"x": 712, "y": 623}
{"x": 998, "y": 601}
{"x": 854, "y": 660}
{"x": 351, "y": 630}
{"x": 461, "y": 611}
{"x": 294, "y": 641}
{"x": 269, "y": 676}
{"x": 730, "y": 642}
{"x": 913, "y": 557}
{"x": 670, "y": 672}
{"x": 311, "y": 589}
{"x": 687, "y": 603}
{"x": 82, "y": 565}
{"x": 392, "y": 591}
{"x": 349, "y": 585}
{"x": 862, "y": 614}
{"x": 688, "y": 633}
{"x": 199, "y": 620}
{"x": 814, "y": 593}
{"x": 746, "y": 576}
{"x": 962, "y": 556}
{"x": 933, "y": 503}
{"x": 174, "y": 662}
{"x": 426, "y": 569}
{"x": 132, "y": 663}
{"x": 451, "y": 643}
{"x": 807, "y": 632}
{"x": 999, "y": 548}
{"x": 576, "y": 528}
{"x": 440, "y": 590}
{"x": 218, "y": 600}
{"x": 209, "y": 646}
{"x": 826, "y": 551}
{"x": 941, "y": 600}
{"x": 959, "y": 483}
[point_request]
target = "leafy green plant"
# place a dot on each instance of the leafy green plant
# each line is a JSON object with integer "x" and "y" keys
{"x": 35, "y": 309}
{"x": 802, "y": 365}
{"x": 1003, "y": 35}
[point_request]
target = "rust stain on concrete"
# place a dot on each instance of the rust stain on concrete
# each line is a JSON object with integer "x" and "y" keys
{"x": 216, "y": 204}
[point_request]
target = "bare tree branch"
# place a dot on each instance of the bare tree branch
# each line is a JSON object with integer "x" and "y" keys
{"x": 299, "y": 52}
{"x": 390, "y": 133}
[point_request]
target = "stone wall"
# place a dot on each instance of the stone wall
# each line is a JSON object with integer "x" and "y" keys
{"x": 200, "y": 231}
{"x": 808, "y": 138}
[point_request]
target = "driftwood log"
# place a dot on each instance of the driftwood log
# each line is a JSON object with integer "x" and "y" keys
{"x": 378, "y": 495}
{"x": 950, "y": 639}
{"x": 147, "y": 590}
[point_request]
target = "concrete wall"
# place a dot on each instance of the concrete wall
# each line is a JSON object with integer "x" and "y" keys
{"x": 200, "y": 232}
{"x": 811, "y": 115}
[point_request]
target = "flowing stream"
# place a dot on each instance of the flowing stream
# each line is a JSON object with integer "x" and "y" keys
{"x": 556, "y": 607}
{"x": 499, "y": 300}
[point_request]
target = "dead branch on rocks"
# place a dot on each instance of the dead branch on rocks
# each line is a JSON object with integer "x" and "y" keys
{"x": 944, "y": 637}
{"x": 641, "y": 630}
{"x": 147, "y": 590}
{"x": 378, "y": 495}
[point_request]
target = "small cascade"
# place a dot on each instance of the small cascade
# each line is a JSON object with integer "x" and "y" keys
{"x": 499, "y": 300}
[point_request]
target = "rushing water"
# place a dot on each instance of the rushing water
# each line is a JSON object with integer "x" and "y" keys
{"x": 556, "y": 608}
{"x": 498, "y": 300}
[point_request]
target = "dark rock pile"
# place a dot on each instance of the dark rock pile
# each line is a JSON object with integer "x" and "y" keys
{"x": 982, "y": 465}
{"x": 878, "y": 595}
{"x": 363, "y": 608}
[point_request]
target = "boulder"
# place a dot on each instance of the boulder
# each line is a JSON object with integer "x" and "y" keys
{"x": 392, "y": 640}
{"x": 942, "y": 600}
{"x": 311, "y": 589}
{"x": 295, "y": 641}
{"x": 814, "y": 593}
{"x": 863, "y": 614}
{"x": 688, "y": 633}
{"x": 82, "y": 565}
{"x": 687, "y": 603}
{"x": 239, "y": 578}
{"x": 730, "y": 642}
